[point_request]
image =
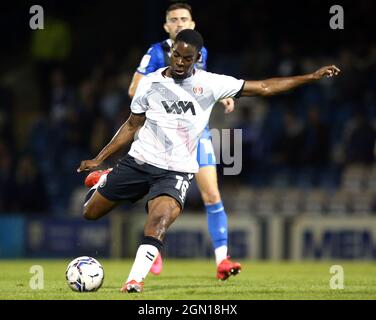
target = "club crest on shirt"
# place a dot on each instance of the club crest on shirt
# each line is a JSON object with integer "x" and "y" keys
{"x": 198, "y": 90}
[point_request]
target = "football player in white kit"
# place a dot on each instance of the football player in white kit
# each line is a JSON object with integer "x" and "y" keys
{"x": 179, "y": 17}
{"x": 171, "y": 108}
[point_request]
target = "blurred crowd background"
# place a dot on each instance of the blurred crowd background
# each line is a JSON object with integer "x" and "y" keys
{"x": 63, "y": 94}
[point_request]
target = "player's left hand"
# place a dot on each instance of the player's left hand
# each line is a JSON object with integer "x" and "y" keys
{"x": 229, "y": 104}
{"x": 328, "y": 71}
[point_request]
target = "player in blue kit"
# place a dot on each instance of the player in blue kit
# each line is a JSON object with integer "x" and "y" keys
{"x": 179, "y": 17}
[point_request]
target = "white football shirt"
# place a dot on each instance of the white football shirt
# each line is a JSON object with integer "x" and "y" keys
{"x": 177, "y": 112}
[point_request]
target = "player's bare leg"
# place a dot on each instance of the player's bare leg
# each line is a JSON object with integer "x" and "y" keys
{"x": 162, "y": 212}
{"x": 97, "y": 206}
{"x": 157, "y": 266}
{"x": 207, "y": 183}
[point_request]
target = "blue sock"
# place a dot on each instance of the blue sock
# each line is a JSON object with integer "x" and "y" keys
{"x": 217, "y": 224}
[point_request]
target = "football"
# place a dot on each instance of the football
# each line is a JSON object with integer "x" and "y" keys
{"x": 84, "y": 274}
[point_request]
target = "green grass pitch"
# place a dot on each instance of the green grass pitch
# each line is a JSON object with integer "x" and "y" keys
{"x": 195, "y": 279}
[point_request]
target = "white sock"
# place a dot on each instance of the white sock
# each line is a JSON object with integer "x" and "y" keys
{"x": 220, "y": 254}
{"x": 145, "y": 257}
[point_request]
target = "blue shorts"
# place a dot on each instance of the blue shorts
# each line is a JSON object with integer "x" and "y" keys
{"x": 205, "y": 150}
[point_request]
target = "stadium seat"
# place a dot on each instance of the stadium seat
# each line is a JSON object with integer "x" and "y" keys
{"x": 242, "y": 199}
{"x": 353, "y": 178}
{"x": 315, "y": 202}
{"x": 339, "y": 203}
{"x": 266, "y": 202}
{"x": 361, "y": 202}
{"x": 291, "y": 202}
{"x": 370, "y": 179}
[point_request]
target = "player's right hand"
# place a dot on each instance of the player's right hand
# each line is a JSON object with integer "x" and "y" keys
{"x": 327, "y": 71}
{"x": 87, "y": 165}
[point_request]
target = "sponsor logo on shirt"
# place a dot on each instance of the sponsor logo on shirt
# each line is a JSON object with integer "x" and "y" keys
{"x": 179, "y": 107}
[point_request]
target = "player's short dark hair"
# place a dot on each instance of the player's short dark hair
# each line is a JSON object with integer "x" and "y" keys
{"x": 191, "y": 37}
{"x": 179, "y": 5}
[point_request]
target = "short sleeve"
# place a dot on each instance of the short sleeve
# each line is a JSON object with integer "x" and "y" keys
{"x": 139, "y": 102}
{"x": 201, "y": 63}
{"x": 226, "y": 86}
{"x": 150, "y": 61}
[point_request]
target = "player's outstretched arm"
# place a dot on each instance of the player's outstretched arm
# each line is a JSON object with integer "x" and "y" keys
{"x": 121, "y": 138}
{"x": 274, "y": 86}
